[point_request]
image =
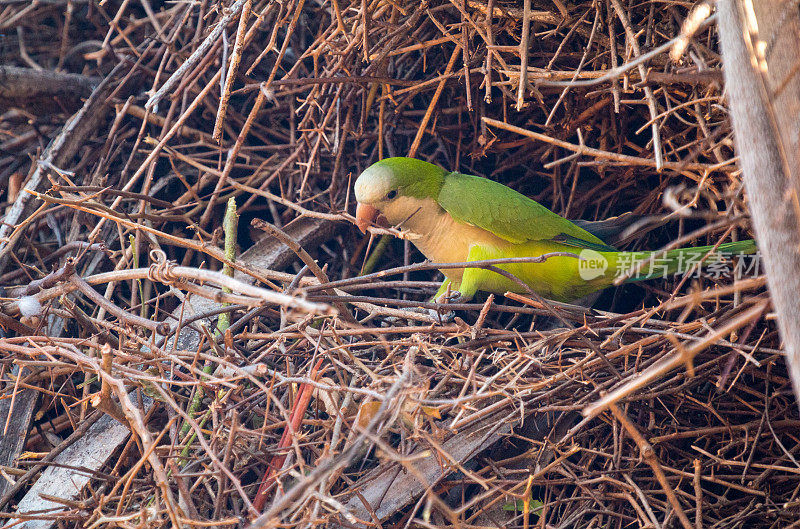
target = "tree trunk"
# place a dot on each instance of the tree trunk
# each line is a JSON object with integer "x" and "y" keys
{"x": 761, "y": 57}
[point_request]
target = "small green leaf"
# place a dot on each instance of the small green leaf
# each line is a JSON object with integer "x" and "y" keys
{"x": 519, "y": 505}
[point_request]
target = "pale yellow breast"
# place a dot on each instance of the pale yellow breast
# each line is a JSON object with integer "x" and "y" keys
{"x": 438, "y": 236}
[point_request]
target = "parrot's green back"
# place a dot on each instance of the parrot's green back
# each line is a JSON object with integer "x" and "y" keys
{"x": 508, "y": 214}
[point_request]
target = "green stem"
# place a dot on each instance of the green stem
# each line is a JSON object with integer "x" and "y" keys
{"x": 380, "y": 248}
{"x": 230, "y": 225}
{"x": 135, "y": 252}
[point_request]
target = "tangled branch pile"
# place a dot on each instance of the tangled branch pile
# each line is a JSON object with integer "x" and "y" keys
{"x": 131, "y": 125}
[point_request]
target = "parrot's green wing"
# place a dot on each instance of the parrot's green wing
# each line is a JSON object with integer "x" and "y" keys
{"x": 508, "y": 214}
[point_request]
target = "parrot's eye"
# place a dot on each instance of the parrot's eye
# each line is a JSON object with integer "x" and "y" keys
{"x": 391, "y": 194}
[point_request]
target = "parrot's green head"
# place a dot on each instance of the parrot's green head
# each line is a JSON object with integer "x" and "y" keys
{"x": 396, "y": 188}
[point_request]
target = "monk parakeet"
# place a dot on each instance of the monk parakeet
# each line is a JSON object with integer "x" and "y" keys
{"x": 453, "y": 217}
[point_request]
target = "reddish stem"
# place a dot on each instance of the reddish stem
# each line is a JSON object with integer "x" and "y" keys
{"x": 295, "y": 418}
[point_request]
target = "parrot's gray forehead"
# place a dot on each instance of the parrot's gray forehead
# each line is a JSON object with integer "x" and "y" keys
{"x": 373, "y": 184}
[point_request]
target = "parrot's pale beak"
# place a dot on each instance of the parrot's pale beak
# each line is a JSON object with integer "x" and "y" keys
{"x": 365, "y": 216}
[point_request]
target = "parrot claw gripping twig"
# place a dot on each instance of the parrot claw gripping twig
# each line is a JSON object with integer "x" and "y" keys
{"x": 440, "y": 316}
{"x": 452, "y": 297}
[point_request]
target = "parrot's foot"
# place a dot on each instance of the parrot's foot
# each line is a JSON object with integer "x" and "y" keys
{"x": 444, "y": 315}
{"x": 451, "y": 297}
{"x": 440, "y": 316}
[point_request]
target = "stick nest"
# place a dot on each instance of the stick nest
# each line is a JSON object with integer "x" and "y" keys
{"x": 133, "y": 123}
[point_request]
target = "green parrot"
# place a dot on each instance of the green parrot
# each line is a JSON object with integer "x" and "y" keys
{"x": 452, "y": 217}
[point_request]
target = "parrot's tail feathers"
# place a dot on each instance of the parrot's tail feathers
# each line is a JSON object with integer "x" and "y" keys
{"x": 652, "y": 265}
